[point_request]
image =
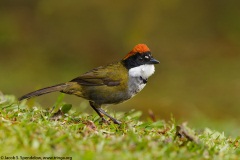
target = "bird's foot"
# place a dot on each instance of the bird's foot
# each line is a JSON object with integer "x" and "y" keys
{"x": 105, "y": 113}
{"x": 116, "y": 121}
{"x": 105, "y": 121}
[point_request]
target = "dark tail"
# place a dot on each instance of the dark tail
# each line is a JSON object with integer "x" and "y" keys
{"x": 58, "y": 87}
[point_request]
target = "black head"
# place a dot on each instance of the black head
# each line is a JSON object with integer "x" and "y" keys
{"x": 138, "y": 59}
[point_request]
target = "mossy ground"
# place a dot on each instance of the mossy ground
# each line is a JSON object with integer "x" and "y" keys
{"x": 29, "y": 130}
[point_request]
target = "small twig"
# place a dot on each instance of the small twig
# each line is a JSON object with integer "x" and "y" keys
{"x": 182, "y": 131}
{"x": 152, "y": 115}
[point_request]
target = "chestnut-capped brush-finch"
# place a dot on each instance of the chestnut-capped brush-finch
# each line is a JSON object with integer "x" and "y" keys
{"x": 110, "y": 84}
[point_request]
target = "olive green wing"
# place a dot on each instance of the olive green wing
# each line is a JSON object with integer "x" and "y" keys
{"x": 106, "y": 75}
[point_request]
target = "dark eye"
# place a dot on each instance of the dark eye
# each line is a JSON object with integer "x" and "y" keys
{"x": 140, "y": 58}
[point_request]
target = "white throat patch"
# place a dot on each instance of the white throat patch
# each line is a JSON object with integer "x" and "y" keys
{"x": 138, "y": 78}
{"x": 143, "y": 71}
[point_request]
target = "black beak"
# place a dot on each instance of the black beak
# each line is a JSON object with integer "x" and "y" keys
{"x": 153, "y": 61}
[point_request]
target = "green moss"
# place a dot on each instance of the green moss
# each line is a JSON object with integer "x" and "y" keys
{"x": 31, "y": 131}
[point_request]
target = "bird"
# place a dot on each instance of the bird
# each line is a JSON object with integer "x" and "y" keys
{"x": 110, "y": 84}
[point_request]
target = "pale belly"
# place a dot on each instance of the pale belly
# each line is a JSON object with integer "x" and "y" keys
{"x": 135, "y": 85}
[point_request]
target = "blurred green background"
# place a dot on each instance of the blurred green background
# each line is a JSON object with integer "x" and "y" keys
{"x": 46, "y": 42}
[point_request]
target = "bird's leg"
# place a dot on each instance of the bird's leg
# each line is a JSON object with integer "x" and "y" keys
{"x": 98, "y": 112}
{"x": 113, "y": 119}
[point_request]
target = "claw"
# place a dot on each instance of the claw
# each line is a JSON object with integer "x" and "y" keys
{"x": 117, "y": 122}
